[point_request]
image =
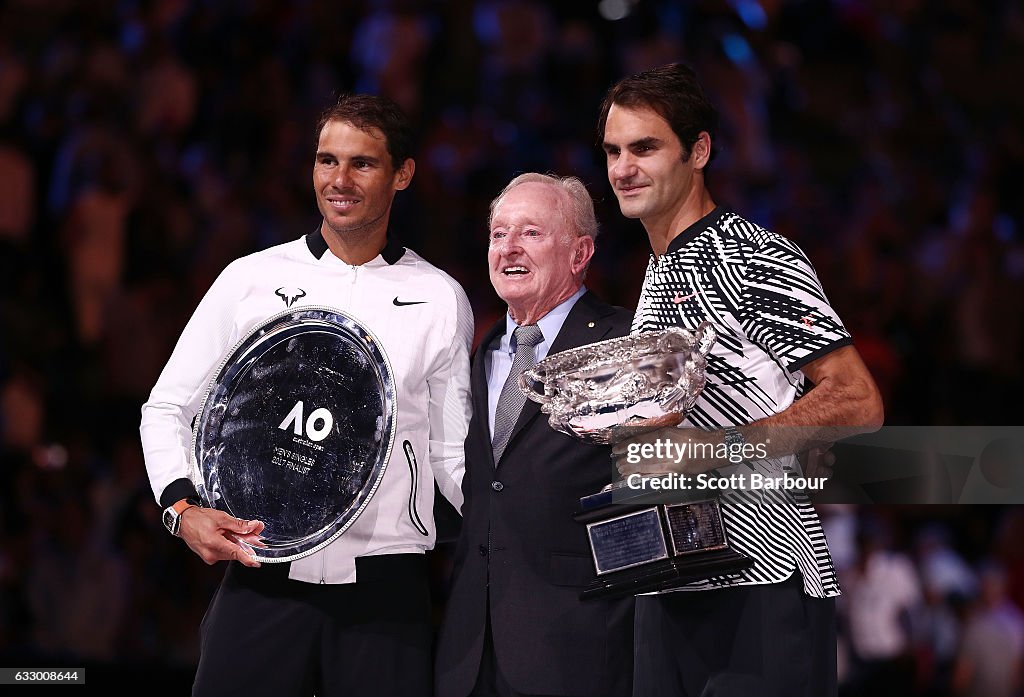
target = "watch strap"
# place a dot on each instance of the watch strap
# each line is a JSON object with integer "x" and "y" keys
{"x": 184, "y": 504}
{"x": 172, "y": 514}
{"x": 733, "y": 437}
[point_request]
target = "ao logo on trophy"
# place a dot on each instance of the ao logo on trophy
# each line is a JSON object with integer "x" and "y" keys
{"x": 314, "y": 433}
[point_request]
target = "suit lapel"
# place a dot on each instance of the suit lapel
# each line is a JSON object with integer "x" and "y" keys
{"x": 478, "y": 383}
{"x": 586, "y": 323}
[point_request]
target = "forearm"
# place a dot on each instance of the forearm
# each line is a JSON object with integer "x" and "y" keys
{"x": 843, "y": 402}
{"x": 833, "y": 410}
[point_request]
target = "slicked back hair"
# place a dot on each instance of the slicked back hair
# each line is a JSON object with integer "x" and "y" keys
{"x": 671, "y": 91}
{"x": 366, "y": 111}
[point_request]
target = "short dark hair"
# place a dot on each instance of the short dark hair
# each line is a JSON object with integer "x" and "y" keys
{"x": 671, "y": 91}
{"x": 366, "y": 111}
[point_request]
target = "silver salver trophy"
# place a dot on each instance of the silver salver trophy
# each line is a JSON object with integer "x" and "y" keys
{"x": 612, "y": 390}
{"x": 296, "y": 429}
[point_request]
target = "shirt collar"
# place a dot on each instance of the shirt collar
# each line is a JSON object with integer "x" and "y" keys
{"x": 317, "y": 245}
{"x": 550, "y": 324}
{"x": 687, "y": 235}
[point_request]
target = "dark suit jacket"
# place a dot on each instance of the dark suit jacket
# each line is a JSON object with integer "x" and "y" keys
{"x": 547, "y": 641}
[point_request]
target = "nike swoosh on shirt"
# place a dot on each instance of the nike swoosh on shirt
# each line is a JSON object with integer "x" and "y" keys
{"x": 399, "y": 303}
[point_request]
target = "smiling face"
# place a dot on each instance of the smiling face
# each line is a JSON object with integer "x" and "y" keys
{"x": 535, "y": 258}
{"x": 355, "y": 181}
{"x": 648, "y": 168}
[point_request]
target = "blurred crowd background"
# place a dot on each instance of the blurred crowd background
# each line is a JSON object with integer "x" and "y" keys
{"x": 145, "y": 144}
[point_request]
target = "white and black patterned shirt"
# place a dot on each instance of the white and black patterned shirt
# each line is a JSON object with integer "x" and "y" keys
{"x": 772, "y": 317}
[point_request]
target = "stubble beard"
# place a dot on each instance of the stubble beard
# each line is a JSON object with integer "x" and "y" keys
{"x": 357, "y": 231}
{"x": 631, "y": 209}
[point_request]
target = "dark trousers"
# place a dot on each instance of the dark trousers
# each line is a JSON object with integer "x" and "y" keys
{"x": 264, "y": 634}
{"x": 745, "y": 641}
{"x": 490, "y": 681}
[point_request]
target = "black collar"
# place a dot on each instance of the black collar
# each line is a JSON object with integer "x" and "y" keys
{"x": 684, "y": 237}
{"x": 392, "y": 251}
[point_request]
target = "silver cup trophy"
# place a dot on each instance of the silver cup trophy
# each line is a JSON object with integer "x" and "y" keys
{"x": 641, "y": 541}
{"x": 296, "y": 429}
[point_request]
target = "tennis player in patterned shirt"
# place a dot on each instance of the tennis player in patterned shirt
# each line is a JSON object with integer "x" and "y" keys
{"x": 783, "y": 376}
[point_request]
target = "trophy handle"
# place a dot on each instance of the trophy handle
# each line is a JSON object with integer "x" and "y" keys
{"x": 528, "y": 382}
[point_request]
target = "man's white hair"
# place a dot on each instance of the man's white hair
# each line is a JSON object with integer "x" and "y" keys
{"x": 579, "y": 212}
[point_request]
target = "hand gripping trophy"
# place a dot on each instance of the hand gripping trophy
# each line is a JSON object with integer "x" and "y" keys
{"x": 612, "y": 390}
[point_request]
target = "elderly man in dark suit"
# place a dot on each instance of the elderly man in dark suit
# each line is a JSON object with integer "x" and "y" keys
{"x": 514, "y": 623}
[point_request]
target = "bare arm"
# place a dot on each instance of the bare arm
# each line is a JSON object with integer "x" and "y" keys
{"x": 843, "y": 402}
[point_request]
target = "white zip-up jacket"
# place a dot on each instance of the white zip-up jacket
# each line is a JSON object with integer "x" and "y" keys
{"x": 427, "y": 345}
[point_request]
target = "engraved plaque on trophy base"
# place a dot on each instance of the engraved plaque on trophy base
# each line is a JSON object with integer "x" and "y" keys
{"x": 642, "y": 547}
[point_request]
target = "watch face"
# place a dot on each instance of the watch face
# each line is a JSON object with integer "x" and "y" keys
{"x": 171, "y": 521}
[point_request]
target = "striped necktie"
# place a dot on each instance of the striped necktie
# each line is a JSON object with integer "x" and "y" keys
{"x": 512, "y": 399}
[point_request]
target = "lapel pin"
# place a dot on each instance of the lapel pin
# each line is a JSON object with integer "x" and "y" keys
{"x": 590, "y": 324}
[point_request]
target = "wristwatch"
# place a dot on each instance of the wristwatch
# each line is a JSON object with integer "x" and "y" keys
{"x": 733, "y": 438}
{"x": 172, "y": 514}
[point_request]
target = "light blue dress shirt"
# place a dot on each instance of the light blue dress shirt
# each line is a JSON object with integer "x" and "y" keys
{"x": 500, "y": 352}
